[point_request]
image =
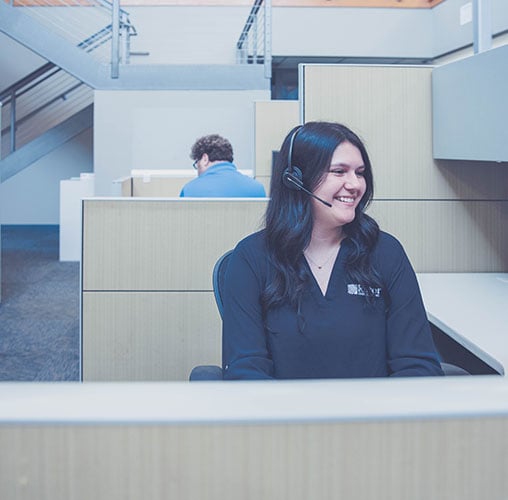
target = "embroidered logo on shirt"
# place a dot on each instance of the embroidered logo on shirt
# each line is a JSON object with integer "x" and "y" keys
{"x": 366, "y": 291}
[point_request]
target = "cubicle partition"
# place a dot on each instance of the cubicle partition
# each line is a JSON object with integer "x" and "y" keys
{"x": 148, "y": 311}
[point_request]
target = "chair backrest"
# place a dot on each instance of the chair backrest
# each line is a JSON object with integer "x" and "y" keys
{"x": 219, "y": 270}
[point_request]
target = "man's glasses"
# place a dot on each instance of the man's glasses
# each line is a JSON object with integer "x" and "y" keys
{"x": 195, "y": 164}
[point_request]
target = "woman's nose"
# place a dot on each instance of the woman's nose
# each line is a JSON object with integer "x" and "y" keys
{"x": 352, "y": 181}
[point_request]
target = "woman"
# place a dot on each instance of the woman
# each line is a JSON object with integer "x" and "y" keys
{"x": 321, "y": 292}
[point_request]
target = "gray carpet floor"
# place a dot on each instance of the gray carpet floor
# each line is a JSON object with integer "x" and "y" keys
{"x": 39, "y": 311}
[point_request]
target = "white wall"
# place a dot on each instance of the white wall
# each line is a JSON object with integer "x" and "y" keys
{"x": 156, "y": 129}
{"x": 194, "y": 35}
{"x": 187, "y": 35}
{"x": 369, "y": 32}
{"x": 376, "y": 32}
{"x": 32, "y": 196}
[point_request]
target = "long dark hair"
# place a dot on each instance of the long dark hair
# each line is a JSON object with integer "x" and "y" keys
{"x": 289, "y": 217}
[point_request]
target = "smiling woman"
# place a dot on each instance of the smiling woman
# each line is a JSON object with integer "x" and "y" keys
{"x": 321, "y": 292}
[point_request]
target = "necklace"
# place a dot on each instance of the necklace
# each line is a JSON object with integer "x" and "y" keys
{"x": 320, "y": 266}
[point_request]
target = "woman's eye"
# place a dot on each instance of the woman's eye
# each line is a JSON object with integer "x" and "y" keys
{"x": 360, "y": 173}
{"x": 337, "y": 171}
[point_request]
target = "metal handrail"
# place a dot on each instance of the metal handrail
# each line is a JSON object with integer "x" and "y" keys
{"x": 258, "y": 32}
{"x": 251, "y": 20}
{"x": 6, "y": 93}
{"x": 27, "y": 86}
{"x": 61, "y": 96}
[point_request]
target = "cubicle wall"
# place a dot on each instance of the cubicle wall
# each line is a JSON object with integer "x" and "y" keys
{"x": 401, "y": 460}
{"x": 148, "y": 311}
{"x": 450, "y": 216}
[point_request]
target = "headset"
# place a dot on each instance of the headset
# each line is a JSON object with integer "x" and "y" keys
{"x": 292, "y": 176}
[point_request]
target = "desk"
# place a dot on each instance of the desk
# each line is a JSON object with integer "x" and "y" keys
{"x": 472, "y": 308}
{"x": 438, "y": 438}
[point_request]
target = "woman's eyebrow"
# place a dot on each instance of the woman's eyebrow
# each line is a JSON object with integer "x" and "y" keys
{"x": 341, "y": 164}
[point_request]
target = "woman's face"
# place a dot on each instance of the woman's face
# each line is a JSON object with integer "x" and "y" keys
{"x": 343, "y": 186}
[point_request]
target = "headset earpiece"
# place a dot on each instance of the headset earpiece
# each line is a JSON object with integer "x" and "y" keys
{"x": 292, "y": 179}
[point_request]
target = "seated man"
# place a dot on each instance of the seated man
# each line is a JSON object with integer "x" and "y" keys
{"x": 217, "y": 175}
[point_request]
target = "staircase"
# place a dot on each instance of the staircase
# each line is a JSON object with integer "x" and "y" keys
{"x": 50, "y": 106}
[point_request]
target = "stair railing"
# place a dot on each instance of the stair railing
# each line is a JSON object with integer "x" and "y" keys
{"x": 39, "y": 99}
{"x": 44, "y": 93}
{"x": 254, "y": 45}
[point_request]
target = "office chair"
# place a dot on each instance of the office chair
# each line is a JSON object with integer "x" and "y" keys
{"x": 213, "y": 372}
{"x": 453, "y": 370}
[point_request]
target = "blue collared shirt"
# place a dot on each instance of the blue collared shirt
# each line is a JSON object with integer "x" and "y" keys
{"x": 223, "y": 181}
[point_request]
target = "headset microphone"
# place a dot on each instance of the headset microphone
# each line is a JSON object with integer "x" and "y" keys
{"x": 292, "y": 176}
{"x": 293, "y": 182}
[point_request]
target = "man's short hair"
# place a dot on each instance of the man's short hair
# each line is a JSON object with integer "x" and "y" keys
{"x": 216, "y": 147}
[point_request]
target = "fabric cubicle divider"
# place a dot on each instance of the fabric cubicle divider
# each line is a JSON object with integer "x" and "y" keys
{"x": 148, "y": 311}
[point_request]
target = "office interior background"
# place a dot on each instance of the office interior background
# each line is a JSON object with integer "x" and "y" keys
{"x": 184, "y": 80}
{"x": 203, "y": 39}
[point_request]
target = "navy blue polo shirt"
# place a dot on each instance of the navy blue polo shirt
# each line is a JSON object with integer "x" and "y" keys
{"x": 343, "y": 335}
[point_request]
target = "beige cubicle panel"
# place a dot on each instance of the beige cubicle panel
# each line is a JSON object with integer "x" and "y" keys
{"x": 162, "y": 244}
{"x": 168, "y": 187}
{"x": 122, "y": 187}
{"x": 438, "y": 459}
{"x": 149, "y": 336}
{"x": 274, "y": 119}
{"x": 126, "y": 186}
{"x": 148, "y": 311}
{"x": 448, "y": 236}
{"x": 417, "y": 197}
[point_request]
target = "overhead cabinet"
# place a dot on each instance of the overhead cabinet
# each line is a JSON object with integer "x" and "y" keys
{"x": 470, "y": 108}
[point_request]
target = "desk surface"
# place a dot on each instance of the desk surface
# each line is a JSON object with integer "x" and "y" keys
{"x": 256, "y": 402}
{"x": 472, "y": 308}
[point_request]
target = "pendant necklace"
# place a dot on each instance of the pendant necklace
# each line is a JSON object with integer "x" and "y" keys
{"x": 320, "y": 266}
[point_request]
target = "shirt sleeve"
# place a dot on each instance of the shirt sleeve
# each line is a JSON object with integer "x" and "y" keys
{"x": 410, "y": 348}
{"x": 245, "y": 352}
